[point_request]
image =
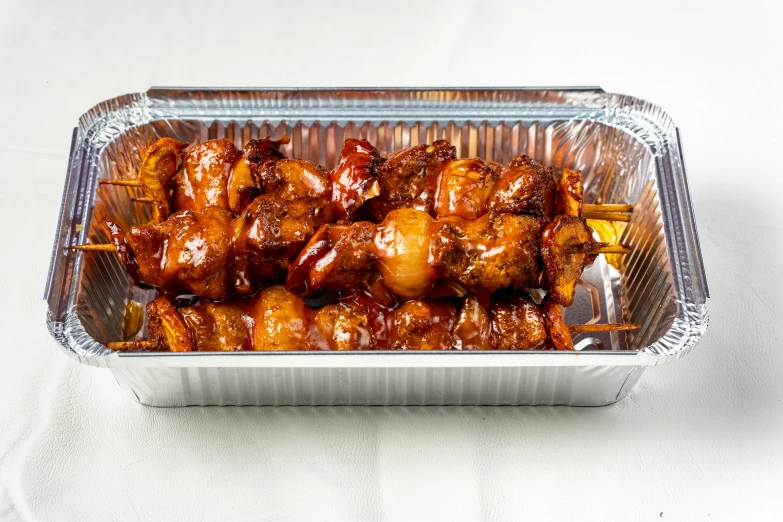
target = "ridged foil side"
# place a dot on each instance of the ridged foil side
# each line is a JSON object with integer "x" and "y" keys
{"x": 512, "y": 386}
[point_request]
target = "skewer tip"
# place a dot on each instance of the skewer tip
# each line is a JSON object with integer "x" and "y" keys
{"x": 606, "y": 207}
{"x": 141, "y": 344}
{"x": 606, "y": 216}
{"x": 611, "y": 327}
{"x": 93, "y": 247}
{"x": 122, "y": 182}
{"x": 610, "y": 249}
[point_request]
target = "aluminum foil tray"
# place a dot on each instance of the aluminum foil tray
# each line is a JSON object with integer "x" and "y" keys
{"x": 628, "y": 150}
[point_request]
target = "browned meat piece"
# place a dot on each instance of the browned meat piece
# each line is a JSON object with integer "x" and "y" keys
{"x": 216, "y": 327}
{"x": 423, "y": 324}
{"x": 353, "y": 180}
{"x": 408, "y": 179}
{"x": 524, "y": 187}
{"x": 490, "y": 253}
{"x": 563, "y": 242}
{"x": 463, "y": 187}
{"x": 297, "y": 180}
{"x": 337, "y": 257}
{"x": 242, "y": 185}
{"x": 517, "y": 323}
{"x": 342, "y": 326}
{"x": 203, "y": 179}
{"x": 267, "y": 236}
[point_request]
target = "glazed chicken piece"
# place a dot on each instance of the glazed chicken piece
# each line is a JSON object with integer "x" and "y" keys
{"x": 188, "y": 252}
{"x": 342, "y": 326}
{"x": 214, "y": 327}
{"x": 202, "y": 181}
{"x": 242, "y": 185}
{"x": 267, "y": 236}
{"x": 297, "y": 180}
{"x": 353, "y": 181}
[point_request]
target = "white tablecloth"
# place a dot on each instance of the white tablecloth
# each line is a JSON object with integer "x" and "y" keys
{"x": 696, "y": 440}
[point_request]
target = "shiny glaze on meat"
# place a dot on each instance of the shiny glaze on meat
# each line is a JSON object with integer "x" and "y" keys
{"x": 277, "y": 320}
{"x": 463, "y": 187}
{"x": 408, "y": 179}
{"x": 202, "y": 181}
{"x": 524, "y": 187}
{"x": 190, "y": 251}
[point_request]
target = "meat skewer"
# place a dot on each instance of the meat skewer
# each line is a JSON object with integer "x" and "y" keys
{"x": 277, "y": 320}
{"x": 424, "y": 177}
{"x": 409, "y": 251}
{"x": 213, "y": 255}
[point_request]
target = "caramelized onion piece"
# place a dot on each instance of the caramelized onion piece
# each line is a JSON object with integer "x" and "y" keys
{"x": 353, "y": 181}
{"x": 402, "y": 247}
{"x": 569, "y": 197}
{"x": 167, "y": 327}
{"x": 157, "y": 170}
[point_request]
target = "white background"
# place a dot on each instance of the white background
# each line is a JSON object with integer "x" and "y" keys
{"x": 697, "y": 440}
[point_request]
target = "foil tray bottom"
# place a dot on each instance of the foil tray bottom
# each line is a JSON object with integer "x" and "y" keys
{"x": 489, "y": 386}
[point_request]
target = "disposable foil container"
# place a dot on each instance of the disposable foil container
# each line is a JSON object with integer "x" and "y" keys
{"x": 628, "y": 151}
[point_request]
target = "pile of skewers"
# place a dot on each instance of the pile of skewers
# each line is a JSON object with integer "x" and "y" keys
{"x": 417, "y": 250}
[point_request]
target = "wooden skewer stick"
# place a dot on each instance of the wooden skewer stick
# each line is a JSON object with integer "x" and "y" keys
{"x": 578, "y": 328}
{"x": 587, "y": 214}
{"x": 140, "y": 344}
{"x": 123, "y": 182}
{"x": 94, "y": 247}
{"x": 606, "y": 216}
{"x": 611, "y": 249}
{"x": 600, "y": 207}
